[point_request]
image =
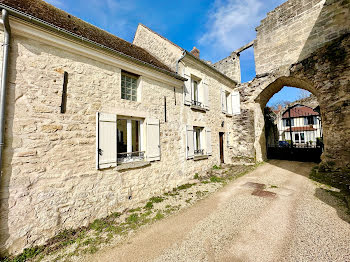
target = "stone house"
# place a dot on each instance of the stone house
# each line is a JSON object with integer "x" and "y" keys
{"x": 95, "y": 124}
{"x": 209, "y": 96}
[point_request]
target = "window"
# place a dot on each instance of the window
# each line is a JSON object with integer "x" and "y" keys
{"x": 129, "y": 86}
{"x": 123, "y": 139}
{"x": 230, "y": 102}
{"x": 296, "y": 137}
{"x": 195, "y": 99}
{"x": 128, "y": 140}
{"x": 198, "y": 143}
{"x": 288, "y": 122}
{"x": 196, "y": 93}
{"x": 310, "y": 120}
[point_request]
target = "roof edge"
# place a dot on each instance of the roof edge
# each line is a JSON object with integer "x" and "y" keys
{"x": 19, "y": 14}
{"x": 210, "y": 67}
{"x": 154, "y": 32}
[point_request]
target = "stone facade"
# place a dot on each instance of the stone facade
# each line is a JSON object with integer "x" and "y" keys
{"x": 164, "y": 50}
{"x": 241, "y": 145}
{"x": 50, "y": 181}
{"x": 295, "y": 29}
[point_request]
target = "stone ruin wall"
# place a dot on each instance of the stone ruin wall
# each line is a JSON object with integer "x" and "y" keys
{"x": 295, "y": 29}
{"x": 230, "y": 66}
{"x": 304, "y": 44}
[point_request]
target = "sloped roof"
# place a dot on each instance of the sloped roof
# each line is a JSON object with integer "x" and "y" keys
{"x": 300, "y": 111}
{"x": 61, "y": 19}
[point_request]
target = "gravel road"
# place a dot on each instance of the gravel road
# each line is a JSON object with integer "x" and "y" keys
{"x": 274, "y": 213}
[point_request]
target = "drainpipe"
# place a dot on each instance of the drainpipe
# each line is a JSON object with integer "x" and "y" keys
{"x": 178, "y": 61}
{"x": 5, "y": 60}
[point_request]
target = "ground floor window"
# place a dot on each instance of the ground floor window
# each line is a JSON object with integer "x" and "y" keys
{"x": 129, "y": 140}
{"x": 198, "y": 143}
{"x": 123, "y": 139}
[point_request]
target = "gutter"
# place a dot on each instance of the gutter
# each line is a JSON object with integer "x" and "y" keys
{"x": 78, "y": 38}
{"x": 4, "y": 75}
{"x": 178, "y": 61}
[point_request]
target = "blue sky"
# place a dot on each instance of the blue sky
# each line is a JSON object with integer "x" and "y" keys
{"x": 215, "y": 27}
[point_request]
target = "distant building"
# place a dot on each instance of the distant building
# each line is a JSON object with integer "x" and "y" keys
{"x": 301, "y": 124}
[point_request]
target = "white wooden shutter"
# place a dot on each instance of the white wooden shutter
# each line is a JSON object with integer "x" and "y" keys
{"x": 223, "y": 101}
{"x": 236, "y": 103}
{"x": 205, "y": 94}
{"x": 208, "y": 138}
{"x": 106, "y": 140}
{"x": 152, "y": 140}
{"x": 189, "y": 142}
{"x": 187, "y": 89}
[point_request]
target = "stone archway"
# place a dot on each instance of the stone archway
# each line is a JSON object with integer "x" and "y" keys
{"x": 273, "y": 87}
{"x": 326, "y": 74}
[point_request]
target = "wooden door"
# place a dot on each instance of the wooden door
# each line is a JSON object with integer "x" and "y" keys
{"x": 221, "y": 139}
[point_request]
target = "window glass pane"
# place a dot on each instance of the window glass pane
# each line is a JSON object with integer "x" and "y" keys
{"x": 121, "y": 136}
{"x": 135, "y": 124}
{"x": 129, "y": 88}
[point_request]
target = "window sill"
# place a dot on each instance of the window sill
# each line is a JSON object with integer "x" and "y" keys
{"x": 198, "y": 108}
{"x": 196, "y": 158}
{"x": 132, "y": 165}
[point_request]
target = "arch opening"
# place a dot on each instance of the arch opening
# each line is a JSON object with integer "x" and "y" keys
{"x": 291, "y": 128}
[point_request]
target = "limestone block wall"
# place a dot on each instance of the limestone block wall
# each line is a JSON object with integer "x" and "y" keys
{"x": 230, "y": 66}
{"x": 161, "y": 48}
{"x": 212, "y": 118}
{"x": 49, "y": 180}
{"x": 295, "y": 29}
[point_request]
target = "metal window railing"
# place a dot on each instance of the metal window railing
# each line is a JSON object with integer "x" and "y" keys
{"x": 197, "y": 103}
{"x": 130, "y": 156}
{"x": 199, "y": 152}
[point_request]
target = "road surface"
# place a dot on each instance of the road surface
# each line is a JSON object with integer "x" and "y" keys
{"x": 274, "y": 213}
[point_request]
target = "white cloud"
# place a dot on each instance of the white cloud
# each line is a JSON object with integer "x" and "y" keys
{"x": 231, "y": 24}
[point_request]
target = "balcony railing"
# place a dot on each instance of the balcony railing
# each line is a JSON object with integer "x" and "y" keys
{"x": 197, "y": 103}
{"x": 131, "y": 156}
{"x": 199, "y": 152}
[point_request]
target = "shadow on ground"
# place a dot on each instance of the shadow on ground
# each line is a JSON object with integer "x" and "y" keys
{"x": 334, "y": 199}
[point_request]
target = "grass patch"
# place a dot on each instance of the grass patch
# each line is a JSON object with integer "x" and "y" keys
{"x": 215, "y": 179}
{"x": 196, "y": 176}
{"x": 158, "y": 216}
{"x": 149, "y": 205}
{"x": 216, "y": 167}
{"x": 273, "y": 186}
{"x": 156, "y": 199}
{"x": 135, "y": 210}
{"x": 133, "y": 218}
{"x": 185, "y": 186}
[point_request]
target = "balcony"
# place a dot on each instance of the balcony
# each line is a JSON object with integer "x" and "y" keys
{"x": 196, "y": 105}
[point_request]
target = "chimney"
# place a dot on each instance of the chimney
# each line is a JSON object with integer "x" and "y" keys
{"x": 195, "y": 52}
{"x": 279, "y": 108}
